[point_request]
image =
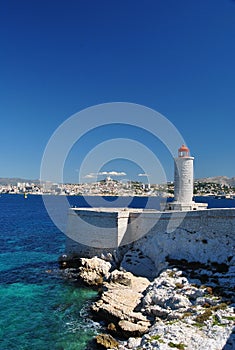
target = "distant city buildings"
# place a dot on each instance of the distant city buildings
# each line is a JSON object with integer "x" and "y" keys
{"x": 110, "y": 187}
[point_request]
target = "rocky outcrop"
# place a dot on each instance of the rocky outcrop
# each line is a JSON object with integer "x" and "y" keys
{"x": 137, "y": 263}
{"x": 205, "y": 236}
{"x": 186, "y": 316}
{"x": 106, "y": 341}
{"x": 94, "y": 271}
{"x": 189, "y": 306}
{"x": 120, "y": 302}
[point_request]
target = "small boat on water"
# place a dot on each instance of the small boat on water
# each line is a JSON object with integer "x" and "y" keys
{"x": 224, "y": 196}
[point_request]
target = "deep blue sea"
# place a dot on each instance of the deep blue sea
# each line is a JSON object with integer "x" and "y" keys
{"x": 39, "y": 309}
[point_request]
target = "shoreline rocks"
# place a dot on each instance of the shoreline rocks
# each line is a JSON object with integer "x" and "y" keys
{"x": 120, "y": 303}
{"x": 94, "y": 271}
{"x": 189, "y": 306}
{"x": 106, "y": 341}
{"x": 186, "y": 316}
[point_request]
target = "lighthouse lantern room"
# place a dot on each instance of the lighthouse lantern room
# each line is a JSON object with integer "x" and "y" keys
{"x": 183, "y": 151}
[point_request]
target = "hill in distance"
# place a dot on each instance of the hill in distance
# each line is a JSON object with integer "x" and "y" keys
{"x": 14, "y": 180}
{"x": 222, "y": 180}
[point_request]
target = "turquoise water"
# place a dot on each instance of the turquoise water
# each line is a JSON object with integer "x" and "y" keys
{"x": 39, "y": 309}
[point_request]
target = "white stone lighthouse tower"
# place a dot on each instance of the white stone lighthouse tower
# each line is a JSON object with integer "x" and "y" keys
{"x": 183, "y": 191}
{"x": 183, "y": 183}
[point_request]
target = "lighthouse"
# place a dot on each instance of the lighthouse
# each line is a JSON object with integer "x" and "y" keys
{"x": 183, "y": 191}
{"x": 183, "y": 183}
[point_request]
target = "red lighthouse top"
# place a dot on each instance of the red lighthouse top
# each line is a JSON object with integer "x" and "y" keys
{"x": 183, "y": 151}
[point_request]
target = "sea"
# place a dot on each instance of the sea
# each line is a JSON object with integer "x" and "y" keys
{"x": 39, "y": 308}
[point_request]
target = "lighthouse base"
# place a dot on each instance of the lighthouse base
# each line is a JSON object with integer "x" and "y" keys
{"x": 183, "y": 206}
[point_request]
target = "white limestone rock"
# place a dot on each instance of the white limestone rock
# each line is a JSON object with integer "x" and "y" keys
{"x": 163, "y": 298}
{"x": 135, "y": 262}
{"x": 93, "y": 271}
{"x": 183, "y": 336}
{"x": 197, "y": 243}
{"x": 133, "y": 343}
{"x": 200, "y": 320}
{"x": 119, "y": 300}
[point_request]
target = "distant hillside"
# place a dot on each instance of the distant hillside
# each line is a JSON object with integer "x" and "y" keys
{"x": 13, "y": 181}
{"x": 223, "y": 180}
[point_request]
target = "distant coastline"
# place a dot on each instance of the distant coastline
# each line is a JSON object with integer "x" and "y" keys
{"x": 221, "y": 187}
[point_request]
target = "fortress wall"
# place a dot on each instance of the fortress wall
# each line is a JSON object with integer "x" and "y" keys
{"x": 202, "y": 235}
{"x": 205, "y": 236}
{"x": 95, "y": 231}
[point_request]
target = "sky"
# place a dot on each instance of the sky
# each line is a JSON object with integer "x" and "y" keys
{"x": 58, "y": 58}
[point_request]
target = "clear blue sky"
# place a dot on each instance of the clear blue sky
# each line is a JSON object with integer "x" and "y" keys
{"x": 59, "y": 57}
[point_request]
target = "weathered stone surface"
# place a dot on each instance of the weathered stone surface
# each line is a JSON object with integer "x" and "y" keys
{"x": 106, "y": 341}
{"x": 135, "y": 262}
{"x": 133, "y": 343}
{"x": 165, "y": 298}
{"x": 200, "y": 235}
{"x": 190, "y": 310}
{"x": 204, "y": 236}
{"x": 131, "y": 328}
{"x": 183, "y": 336}
{"x": 186, "y": 317}
{"x": 119, "y": 301}
{"x": 121, "y": 277}
{"x": 93, "y": 271}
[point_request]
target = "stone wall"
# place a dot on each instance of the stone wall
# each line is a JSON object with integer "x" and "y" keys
{"x": 204, "y": 235}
